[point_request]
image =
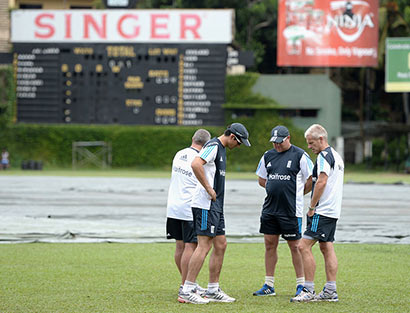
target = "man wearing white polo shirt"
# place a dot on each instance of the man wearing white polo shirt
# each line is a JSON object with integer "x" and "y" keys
{"x": 324, "y": 211}
{"x": 179, "y": 214}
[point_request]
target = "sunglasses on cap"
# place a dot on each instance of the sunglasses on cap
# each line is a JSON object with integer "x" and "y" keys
{"x": 237, "y": 139}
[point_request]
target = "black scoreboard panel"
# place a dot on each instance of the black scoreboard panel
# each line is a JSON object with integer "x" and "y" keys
{"x": 163, "y": 84}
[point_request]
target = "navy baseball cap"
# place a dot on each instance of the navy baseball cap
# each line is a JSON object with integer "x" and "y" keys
{"x": 278, "y": 134}
{"x": 240, "y": 132}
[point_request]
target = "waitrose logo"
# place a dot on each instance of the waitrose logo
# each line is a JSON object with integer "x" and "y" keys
{"x": 277, "y": 176}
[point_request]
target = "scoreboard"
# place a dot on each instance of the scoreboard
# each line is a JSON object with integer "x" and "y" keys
{"x": 71, "y": 67}
{"x": 177, "y": 84}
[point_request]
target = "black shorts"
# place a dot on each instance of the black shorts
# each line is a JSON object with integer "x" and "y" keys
{"x": 181, "y": 230}
{"x": 287, "y": 226}
{"x": 208, "y": 222}
{"x": 321, "y": 227}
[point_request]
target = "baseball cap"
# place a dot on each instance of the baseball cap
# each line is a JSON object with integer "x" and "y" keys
{"x": 240, "y": 132}
{"x": 278, "y": 134}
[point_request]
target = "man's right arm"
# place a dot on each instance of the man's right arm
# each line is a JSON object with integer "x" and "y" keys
{"x": 261, "y": 172}
{"x": 262, "y": 182}
{"x": 198, "y": 168}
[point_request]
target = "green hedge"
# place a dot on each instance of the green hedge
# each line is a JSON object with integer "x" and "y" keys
{"x": 144, "y": 146}
{"x": 135, "y": 146}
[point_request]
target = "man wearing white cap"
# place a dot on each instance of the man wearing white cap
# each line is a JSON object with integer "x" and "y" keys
{"x": 286, "y": 173}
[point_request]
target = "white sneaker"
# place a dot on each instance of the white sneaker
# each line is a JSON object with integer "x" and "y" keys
{"x": 219, "y": 296}
{"x": 191, "y": 297}
{"x": 326, "y": 295}
{"x": 304, "y": 296}
{"x": 199, "y": 290}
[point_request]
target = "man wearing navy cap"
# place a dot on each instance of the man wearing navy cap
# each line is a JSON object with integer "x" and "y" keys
{"x": 285, "y": 172}
{"x": 207, "y": 208}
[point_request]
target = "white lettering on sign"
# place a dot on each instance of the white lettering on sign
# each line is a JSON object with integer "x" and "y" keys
{"x": 188, "y": 26}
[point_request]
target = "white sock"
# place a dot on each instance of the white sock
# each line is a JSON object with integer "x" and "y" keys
{"x": 270, "y": 281}
{"x": 213, "y": 287}
{"x": 330, "y": 285}
{"x": 188, "y": 286}
{"x": 300, "y": 281}
{"x": 310, "y": 285}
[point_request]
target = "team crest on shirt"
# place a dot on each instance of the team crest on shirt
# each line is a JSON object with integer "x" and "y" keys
{"x": 269, "y": 165}
{"x": 221, "y": 159}
{"x": 184, "y": 157}
{"x": 289, "y": 164}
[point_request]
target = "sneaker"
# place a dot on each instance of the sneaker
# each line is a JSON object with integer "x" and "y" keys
{"x": 199, "y": 290}
{"x": 299, "y": 289}
{"x": 191, "y": 297}
{"x": 326, "y": 295}
{"x": 265, "y": 291}
{"x": 304, "y": 296}
{"x": 218, "y": 296}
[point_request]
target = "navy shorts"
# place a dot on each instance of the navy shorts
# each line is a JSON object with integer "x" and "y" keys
{"x": 181, "y": 230}
{"x": 288, "y": 226}
{"x": 208, "y": 222}
{"x": 321, "y": 227}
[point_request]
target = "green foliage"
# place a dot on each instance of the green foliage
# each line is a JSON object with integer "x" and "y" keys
{"x": 394, "y": 157}
{"x": 98, "y": 4}
{"x": 394, "y": 21}
{"x": 407, "y": 14}
{"x": 7, "y": 96}
{"x": 144, "y": 278}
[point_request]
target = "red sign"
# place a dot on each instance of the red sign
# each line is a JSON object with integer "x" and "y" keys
{"x": 328, "y": 33}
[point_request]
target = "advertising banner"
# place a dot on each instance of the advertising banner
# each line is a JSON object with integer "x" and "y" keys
{"x": 397, "y": 65}
{"x": 327, "y": 33}
{"x": 148, "y": 26}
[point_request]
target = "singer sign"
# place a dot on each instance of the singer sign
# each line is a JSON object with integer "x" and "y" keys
{"x": 327, "y": 33}
{"x": 170, "y": 26}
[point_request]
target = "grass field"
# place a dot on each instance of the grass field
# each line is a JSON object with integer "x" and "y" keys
{"x": 143, "y": 278}
{"x": 351, "y": 176}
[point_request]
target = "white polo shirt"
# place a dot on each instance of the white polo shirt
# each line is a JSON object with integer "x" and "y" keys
{"x": 330, "y": 163}
{"x": 183, "y": 184}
